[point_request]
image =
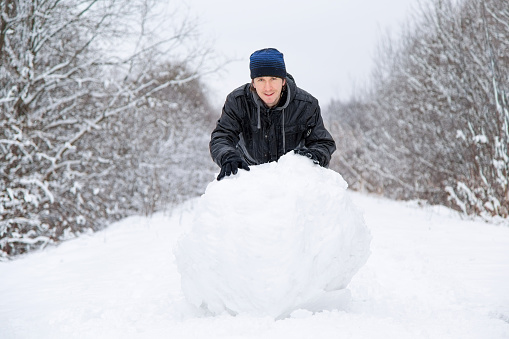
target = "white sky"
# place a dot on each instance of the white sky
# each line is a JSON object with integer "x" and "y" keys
{"x": 328, "y": 44}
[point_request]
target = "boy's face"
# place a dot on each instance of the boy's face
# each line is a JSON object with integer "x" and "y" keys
{"x": 269, "y": 89}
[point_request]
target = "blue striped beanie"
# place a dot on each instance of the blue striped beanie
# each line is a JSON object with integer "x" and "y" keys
{"x": 267, "y": 62}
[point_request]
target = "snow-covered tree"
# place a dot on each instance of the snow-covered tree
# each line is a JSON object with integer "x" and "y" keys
{"x": 66, "y": 69}
{"x": 157, "y": 152}
{"x": 437, "y": 118}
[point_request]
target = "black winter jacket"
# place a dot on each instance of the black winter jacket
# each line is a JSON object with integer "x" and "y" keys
{"x": 260, "y": 134}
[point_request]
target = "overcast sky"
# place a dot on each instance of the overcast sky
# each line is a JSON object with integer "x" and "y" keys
{"x": 328, "y": 45}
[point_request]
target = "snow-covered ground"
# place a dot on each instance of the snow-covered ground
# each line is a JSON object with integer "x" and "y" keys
{"x": 430, "y": 275}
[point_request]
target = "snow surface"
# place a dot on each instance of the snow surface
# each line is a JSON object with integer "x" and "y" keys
{"x": 430, "y": 275}
{"x": 281, "y": 237}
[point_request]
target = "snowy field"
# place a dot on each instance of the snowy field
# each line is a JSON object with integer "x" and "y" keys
{"x": 430, "y": 275}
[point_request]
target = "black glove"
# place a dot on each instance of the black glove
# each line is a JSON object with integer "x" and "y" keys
{"x": 308, "y": 153}
{"x": 231, "y": 165}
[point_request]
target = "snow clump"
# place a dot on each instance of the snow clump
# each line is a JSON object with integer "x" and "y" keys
{"x": 282, "y": 237}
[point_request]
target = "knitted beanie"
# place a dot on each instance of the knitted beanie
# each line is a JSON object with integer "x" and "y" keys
{"x": 267, "y": 62}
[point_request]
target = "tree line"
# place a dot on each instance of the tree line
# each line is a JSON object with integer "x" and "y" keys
{"x": 433, "y": 123}
{"x": 99, "y": 117}
{"x": 103, "y": 115}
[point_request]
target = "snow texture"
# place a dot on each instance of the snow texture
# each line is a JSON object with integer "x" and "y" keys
{"x": 280, "y": 237}
{"x": 431, "y": 275}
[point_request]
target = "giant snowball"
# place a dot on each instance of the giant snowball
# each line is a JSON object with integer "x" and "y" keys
{"x": 280, "y": 237}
